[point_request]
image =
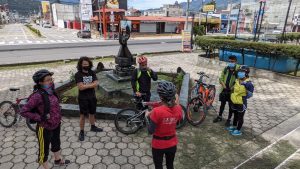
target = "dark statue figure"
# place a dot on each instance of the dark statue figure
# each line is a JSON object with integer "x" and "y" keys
{"x": 124, "y": 59}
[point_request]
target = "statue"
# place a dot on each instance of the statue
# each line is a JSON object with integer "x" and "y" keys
{"x": 124, "y": 59}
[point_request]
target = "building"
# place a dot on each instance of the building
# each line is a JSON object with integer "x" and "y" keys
{"x": 4, "y": 14}
{"x": 296, "y": 23}
{"x": 65, "y": 16}
{"x": 172, "y": 10}
{"x": 133, "y": 12}
{"x": 275, "y": 13}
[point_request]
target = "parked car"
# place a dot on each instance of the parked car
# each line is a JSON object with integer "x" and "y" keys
{"x": 47, "y": 25}
{"x": 84, "y": 34}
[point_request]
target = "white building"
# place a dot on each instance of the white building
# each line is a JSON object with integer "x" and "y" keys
{"x": 172, "y": 10}
{"x": 64, "y": 12}
{"x": 275, "y": 13}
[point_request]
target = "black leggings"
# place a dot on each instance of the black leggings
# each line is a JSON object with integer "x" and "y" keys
{"x": 158, "y": 155}
{"x": 45, "y": 138}
{"x": 238, "y": 119}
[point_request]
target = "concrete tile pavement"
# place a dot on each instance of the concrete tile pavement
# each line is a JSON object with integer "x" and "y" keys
{"x": 273, "y": 102}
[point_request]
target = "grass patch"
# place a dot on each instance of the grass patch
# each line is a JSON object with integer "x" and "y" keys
{"x": 295, "y": 164}
{"x": 34, "y": 30}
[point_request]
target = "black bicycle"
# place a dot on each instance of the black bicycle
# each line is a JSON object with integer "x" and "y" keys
{"x": 130, "y": 120}
{"x": 10, "y": 112}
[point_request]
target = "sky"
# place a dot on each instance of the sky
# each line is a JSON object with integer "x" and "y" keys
{"x": 146, "y": 4}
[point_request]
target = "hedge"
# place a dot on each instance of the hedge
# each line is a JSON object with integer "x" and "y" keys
{"x": 36, "y": 31}
{"x": 212, "y": 43}
{"x": 295, "y": 36}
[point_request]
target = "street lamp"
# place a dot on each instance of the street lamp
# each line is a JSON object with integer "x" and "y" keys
{"x": 228, "y": 23}
{"x": 187, "y": 15}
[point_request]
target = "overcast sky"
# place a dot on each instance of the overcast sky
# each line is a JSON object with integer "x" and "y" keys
{"x": 146, "y": 4}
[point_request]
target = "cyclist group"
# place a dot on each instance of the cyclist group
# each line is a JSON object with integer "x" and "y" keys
{"x": 234, "y": 80}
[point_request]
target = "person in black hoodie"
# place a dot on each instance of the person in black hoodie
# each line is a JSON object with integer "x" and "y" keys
{"x": 141, "y": 79}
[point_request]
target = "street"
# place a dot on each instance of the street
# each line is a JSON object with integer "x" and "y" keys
{"x": 28, "y": 56}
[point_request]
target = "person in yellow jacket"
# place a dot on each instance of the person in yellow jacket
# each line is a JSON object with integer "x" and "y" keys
{"x": 242, "y": 90}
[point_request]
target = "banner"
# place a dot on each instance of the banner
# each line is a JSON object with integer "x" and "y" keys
{"x": 208, "y": 8}
{"x": 46, "y": 10}
{"x": 112, "y": 4}
{"x": 86, "y": 10}
{"x": 125, "y": 23}
{"x": 186, "y": 41}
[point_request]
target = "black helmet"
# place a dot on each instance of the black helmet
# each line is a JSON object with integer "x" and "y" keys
{"x": 244, "y": 68}
{"x": 37, "y": 76}
{"x": 166, "y": 90}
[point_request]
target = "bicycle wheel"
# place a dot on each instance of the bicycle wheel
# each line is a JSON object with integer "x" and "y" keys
{"x": 8, "y": 114}
{"x": 182, "y": 122}
{"x": 196, "y": 112}
{"x": 127, "y": 121}
{"x": 31, "y": 126}
{"x": 211, "y": 95}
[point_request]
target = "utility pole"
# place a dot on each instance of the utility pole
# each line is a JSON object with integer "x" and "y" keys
{"x": 257, "y": 21}
{"x": 228, "y": 24}
{"x": 187, "y": 15}
{"x": 237, "y": 22}
{"x": 262, "y": 18}
{"x": 104, "y": 19}
{"x": 286, "y": 19}
{"x": 100, "y": 24}
{"x": 292, "y": 27}
{"x": 80, "y": 6}
{"x": 200, "y": 13}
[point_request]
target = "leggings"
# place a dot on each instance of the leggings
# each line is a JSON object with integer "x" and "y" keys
{"x": 158, "y": 155}
{"x": 238, "y": 119}
{"x": 45, "y": 138}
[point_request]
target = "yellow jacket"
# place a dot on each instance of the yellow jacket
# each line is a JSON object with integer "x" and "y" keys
{"x": 238, "y": 92}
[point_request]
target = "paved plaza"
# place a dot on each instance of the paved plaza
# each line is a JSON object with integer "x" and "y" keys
{"x": 274, "y": 101}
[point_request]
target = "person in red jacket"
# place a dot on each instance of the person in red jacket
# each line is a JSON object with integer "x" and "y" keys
{"x": 48, "y": 125}
{"x": 163, "y": 121}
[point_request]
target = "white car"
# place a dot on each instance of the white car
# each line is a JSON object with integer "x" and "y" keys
{"x": 47, "y": 25}
{"x": 277, "y": 32}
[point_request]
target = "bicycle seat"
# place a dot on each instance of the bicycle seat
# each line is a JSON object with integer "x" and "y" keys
{"x": 14, "y": 89}
{"x": 200, "y": 73}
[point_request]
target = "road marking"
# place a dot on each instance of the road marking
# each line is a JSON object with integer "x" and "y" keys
{"x": 286, "y": 160}
{"x": 266, "y": 148}
{"x": 24, "y": 32}
{"x": 52, "y": 41}
{"x": 28, "y": 41}
{"x": 74, "y": 40}
{"x": 45, "y": 41}
{"x": 38, "y": 41}
{"x": 60, "y": 41}
{"x": 21, "y": 42}
{"x": 67, "y": 41}
{"x": 2, "y": 43}
{"x": 11, "y": 42}
{"x": 16, "y": 38}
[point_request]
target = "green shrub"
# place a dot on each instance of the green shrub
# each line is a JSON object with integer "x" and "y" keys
{"x": 36, "y": 31}
{"x": 212, "y": 43}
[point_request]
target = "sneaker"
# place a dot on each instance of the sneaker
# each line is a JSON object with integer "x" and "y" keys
{"x": 81, "y": 136}
{"x": 236, "y": 133}
{"x": 227, "y": 124}
{"x": 218, "y": 119}
{"x": 231, "y": 128}
{"x": 96, "y": 129}
{"x": 61, "y": 162}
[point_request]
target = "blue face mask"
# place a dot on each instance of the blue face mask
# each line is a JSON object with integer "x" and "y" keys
{"x": 48, "y": 88}
{"x": 231, "y": 65}
{"x": 241, "y": 75}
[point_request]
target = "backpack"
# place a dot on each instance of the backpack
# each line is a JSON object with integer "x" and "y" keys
{"x": 46, "y": 104}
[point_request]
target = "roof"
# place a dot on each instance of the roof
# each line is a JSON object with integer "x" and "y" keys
{"x": 156, "y": 18}
{"x": 111, "y": 10}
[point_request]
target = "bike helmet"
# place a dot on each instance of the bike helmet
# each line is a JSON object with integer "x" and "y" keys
{"x": 142, "y": 59}
{"x": 244, "y": 68}
{"x": 37, "y": 76}
{"x": 166, "y": 90}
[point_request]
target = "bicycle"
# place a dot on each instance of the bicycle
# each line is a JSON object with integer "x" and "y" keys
{"x": 134, "y": 119}
{"x": 10, "y": 112}
{"x": 202, "y": 98}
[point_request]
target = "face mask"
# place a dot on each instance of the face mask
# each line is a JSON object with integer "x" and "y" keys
{"x": 241, "y": 75}
{"x": 231, "y": 65}
{"x": 86, "y": 68}
{"x": 48, "y": 88}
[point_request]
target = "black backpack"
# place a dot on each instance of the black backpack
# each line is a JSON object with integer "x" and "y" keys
{"x": 46, "y": 103}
